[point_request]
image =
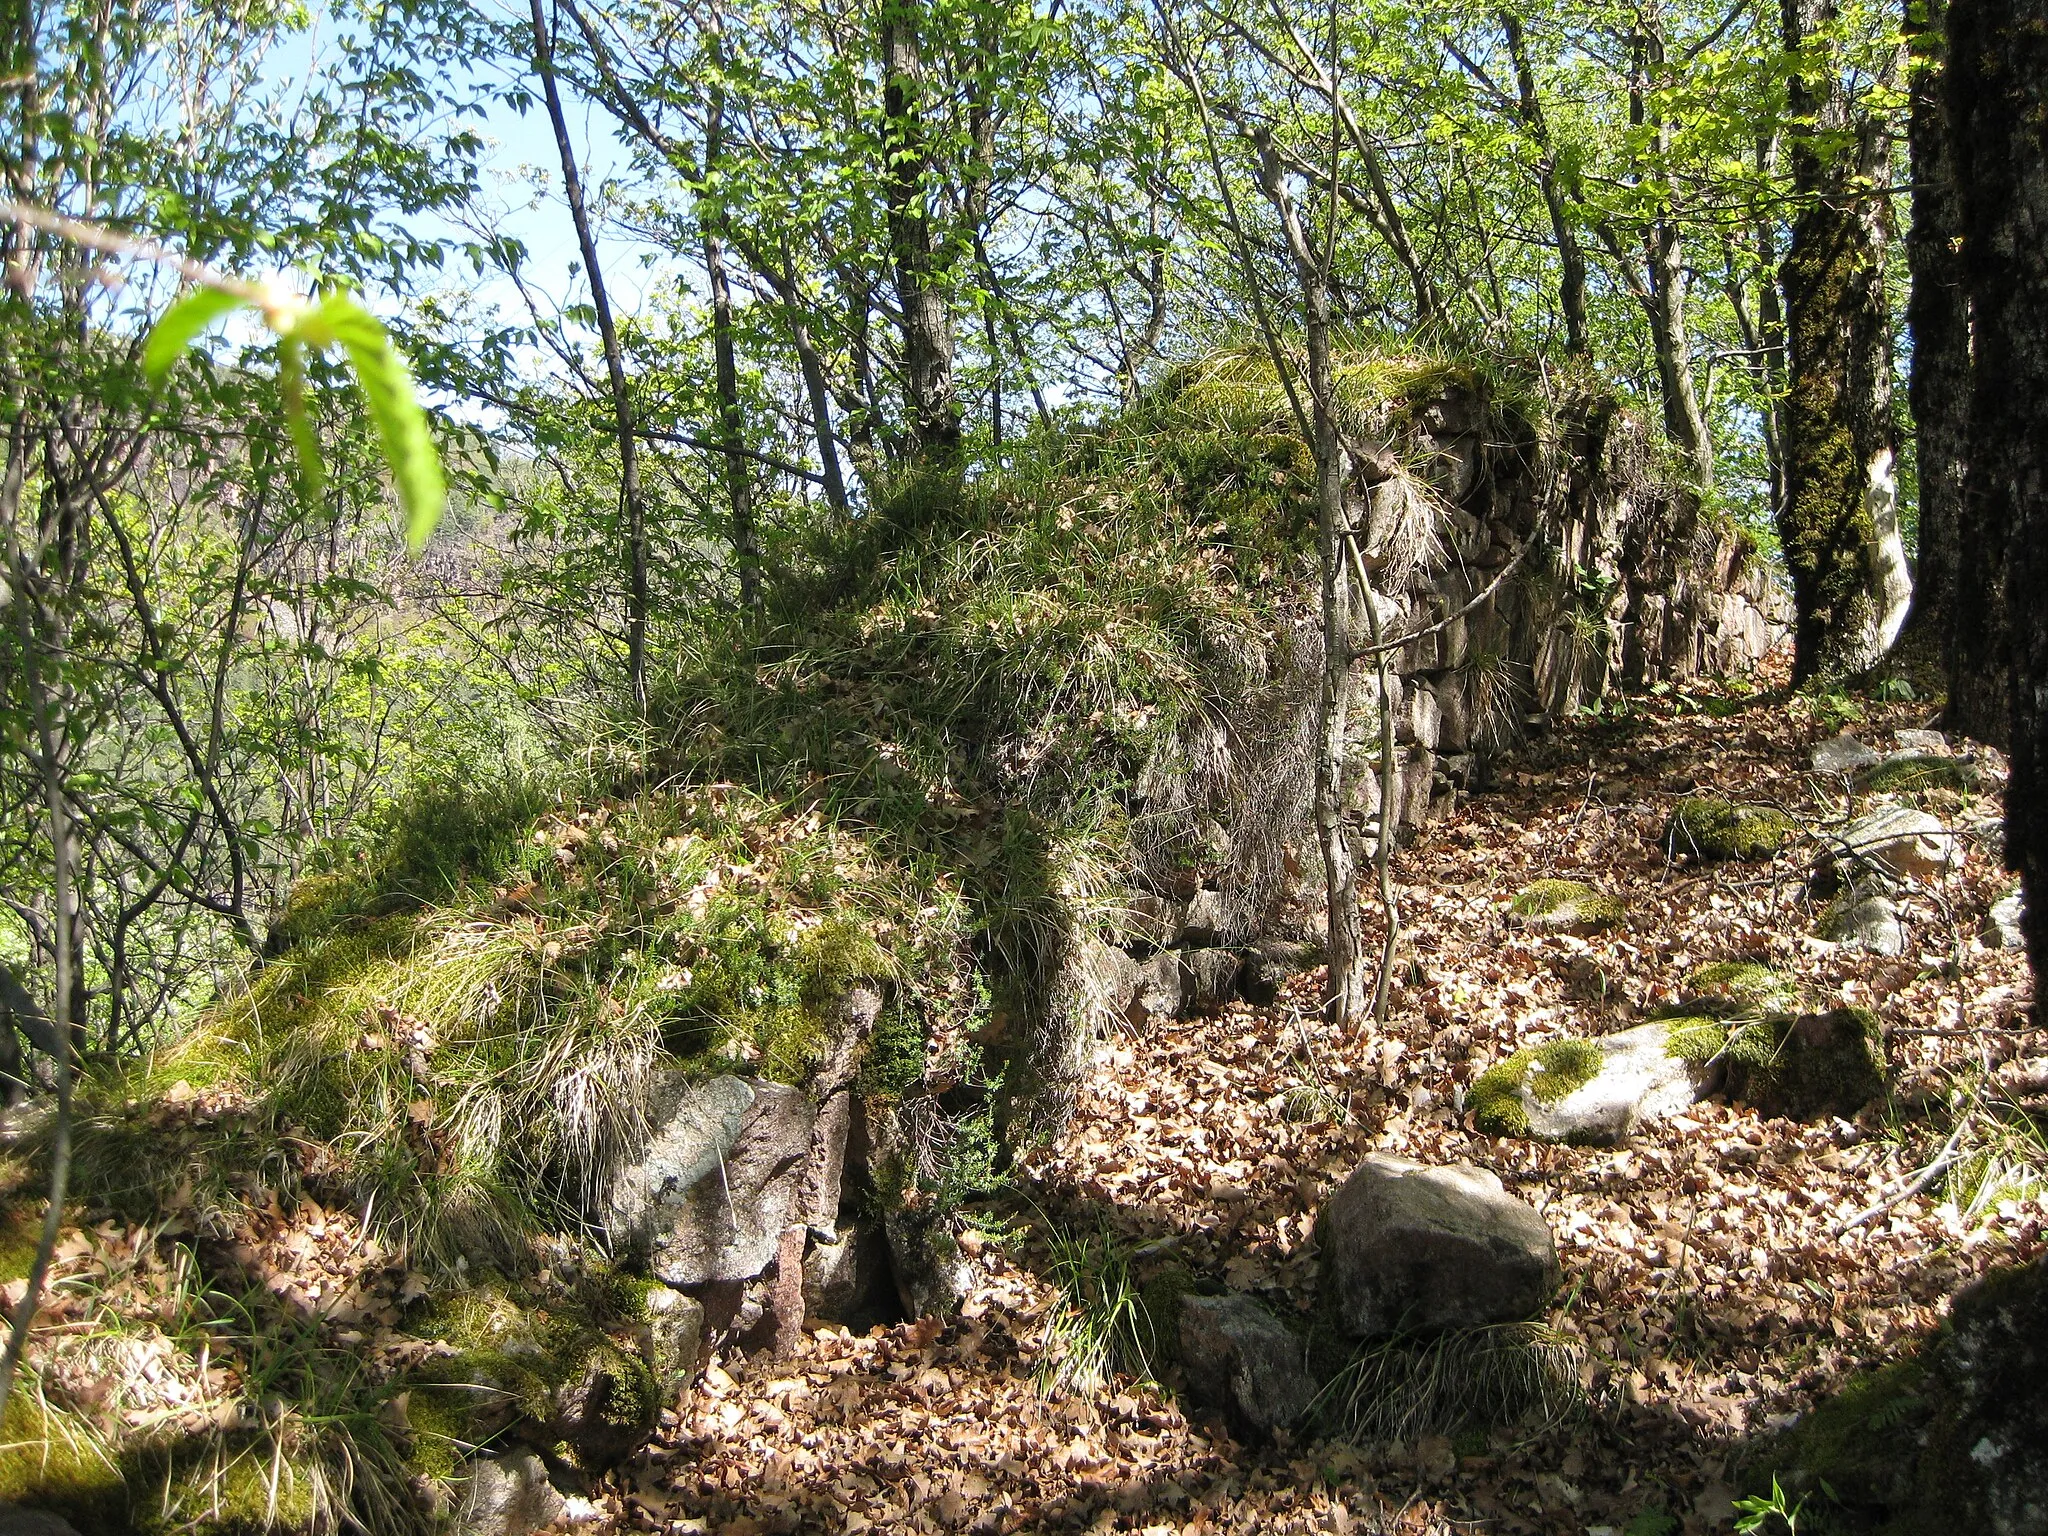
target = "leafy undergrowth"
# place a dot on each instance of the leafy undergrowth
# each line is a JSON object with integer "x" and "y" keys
{"x": 1710, "y": 1292}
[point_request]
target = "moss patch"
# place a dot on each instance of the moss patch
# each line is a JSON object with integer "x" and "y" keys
{"x": 1710, "y": 829}
{"x": 1550, "y": 1072}
{"x": 1744, "y": 982}
{"x": 230, "y": 1486}
{"x": 1565, "y": 904}
{"x": 1911, "y": 775}
{"x": 52, "y": 1460}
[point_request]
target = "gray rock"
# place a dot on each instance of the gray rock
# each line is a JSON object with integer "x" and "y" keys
{"x": 2002, "y": 928}
{"x": 1150, "y": 921}
{"x": 1158, "y": 994}
{"x": 1864, "y": 916}
{"x": 1268, "y": 964}
{"x": 1843, "y": 755}
{"x": 1208, "y": 979}
{"x": 932, "y": 1274}
{"x": 1638, "y": 1079}
{"x": 1920, "y": 743}
{"x": 1894, "y": 840}
{"x": 849, "y": 1280}
{"x": 719, "y": 1180}
{"x": 1410, "y": 1248}
{"x": 1997, "y": 1368}
{"x": 1239, "y": 1358}
{"x": 671, "y": 1338}
{"x": 1205, "y": 920}
{"x": 508, "y": 1496}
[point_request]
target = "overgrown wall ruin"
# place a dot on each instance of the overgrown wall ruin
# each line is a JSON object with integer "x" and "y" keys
{"x": 1629, "y": 582}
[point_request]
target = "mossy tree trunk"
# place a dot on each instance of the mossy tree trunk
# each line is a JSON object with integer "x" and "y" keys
{"x": 1839, "y": 524}
{"x": 1998, "y": 103}
{"x": 1938, "y": 314}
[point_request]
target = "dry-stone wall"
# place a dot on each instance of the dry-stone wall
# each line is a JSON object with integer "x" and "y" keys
{"x": 1591, "y": 570}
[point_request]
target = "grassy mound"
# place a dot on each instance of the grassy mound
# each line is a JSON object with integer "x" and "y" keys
{"x": 1913, "y": 775}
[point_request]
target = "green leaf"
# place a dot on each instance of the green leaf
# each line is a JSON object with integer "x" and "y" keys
{"x": 402, "y": 429}
{"x": 180, "y": 327}
{"x": 291, "y": 374}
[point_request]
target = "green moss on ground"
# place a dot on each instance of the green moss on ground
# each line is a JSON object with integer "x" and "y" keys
{"x": 54, "y": 1460}
{"x": 1550, "y": 1072}
{"x": 1566, "y": 904}
{"x": 232, "y": 1485}
{"x": 1911, "y": 775}
{"x": 1711, "y": 829}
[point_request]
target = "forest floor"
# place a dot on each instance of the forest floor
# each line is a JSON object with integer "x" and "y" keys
{"x": 1710, "y": 1292}
{"x": 1706, "y": 1280}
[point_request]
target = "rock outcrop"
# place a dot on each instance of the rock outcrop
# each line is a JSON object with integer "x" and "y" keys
{"x": 1952, "y": 1438}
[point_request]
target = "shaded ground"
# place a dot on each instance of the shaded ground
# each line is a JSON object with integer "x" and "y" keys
{"x": 1704, "y": 1273}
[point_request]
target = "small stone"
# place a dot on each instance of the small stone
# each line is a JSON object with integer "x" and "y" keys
{"x": 1921, "y": 743}
{"x": 1410, "y": 1248}
{"x": 1843, "y": 755}
{"x": 1894, "y": 840}
{"x": 1864, "y": 917}
{"x": 1239, "y": 1358}
{"x": 932, "y": 1274}
{"x": 2003, "y": 927}
{"x": 1564, "y": 906}
{"x": 1205, "y": 920}
{"x": 849, "y": 1281}
{"x": 510, "y": 1496}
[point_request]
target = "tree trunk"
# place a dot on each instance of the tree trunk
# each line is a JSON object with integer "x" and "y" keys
{"x": 1939, "y": 314}
{"x": 1344, "y": 1005}
{"x": 1839, "y": 526}
{"x": 739, "y": 480}
{"x": 614, "y": 364}
{"x": 1685, "y": 422}
{"x": 926, "y": 317}
{"x": 1997, "y": 102}
{"x": 1571, "y": 282}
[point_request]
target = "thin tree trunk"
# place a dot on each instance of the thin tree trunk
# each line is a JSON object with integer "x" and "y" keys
{"x": 1839, "y": 527}
{"x": 614, "y": 365}
{"x": 1997, "y": 100}
{"x": 927, "y": 318}
{"x": 1571, "y": 282}
{"x": 739, "y": 481}
{"x": 1345, "y": 1005}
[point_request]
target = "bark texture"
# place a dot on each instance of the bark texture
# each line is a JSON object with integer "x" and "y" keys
{"x": 920, "y": 297}
{"x": 1939, "y": 315}
{"x": 1839, "y": 526}
{"x": 1998, "y": 104}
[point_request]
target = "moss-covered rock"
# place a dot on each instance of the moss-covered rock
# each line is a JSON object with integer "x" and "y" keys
{"x": 1549, "y": 1072}
{"x": 1801, "y": 1068}
{"x": 1746, "y": 983}
{"x": 1952, "y": 1438}
{"x": 1710, "y": 829}
{"x": 53, "y": 1460}
{"x": 231, "y": 1485}
{"x": 1565, "y": 906}
{"x": 1913, "y": 773}
{"x": 545, "y": 1374}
